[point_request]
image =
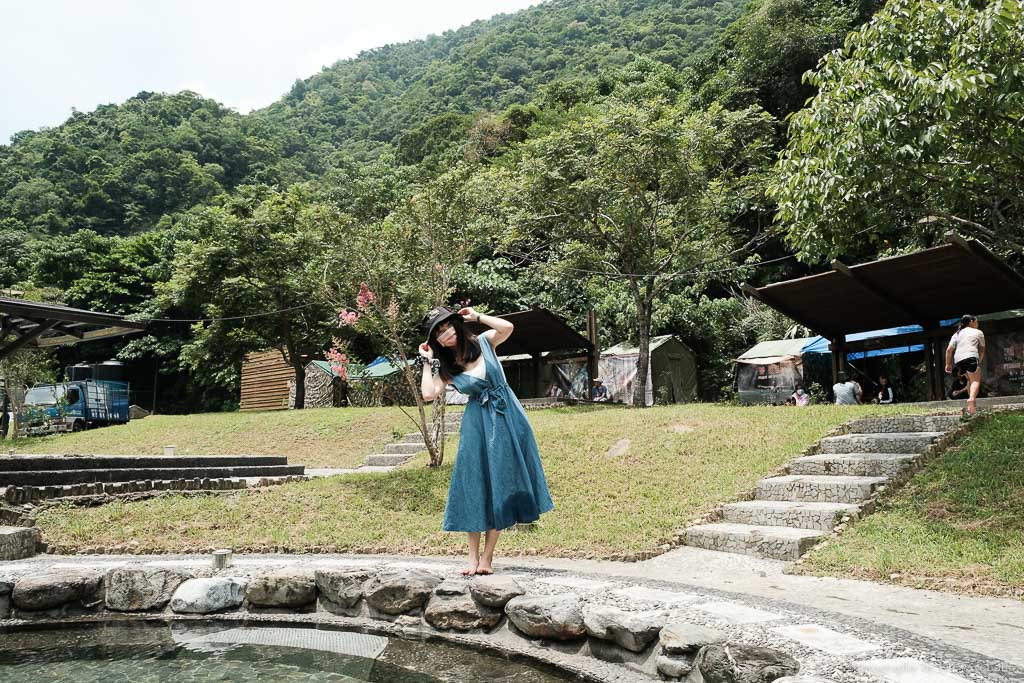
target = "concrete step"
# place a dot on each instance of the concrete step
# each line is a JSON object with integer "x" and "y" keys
{"x": 904, "y": 423}
{"x": 818, "y": 516}
{"x": 60, "y": 477}
{"x": 17, "y": 542}
{"x": 854, "y": 464}
{"x": 818, "y": 489}
{"x": 772, "y": 542}
{"x": 404, "y": 448}
{"x": 33, "y": 463}
{"x": 416, "y": 437}
{"x": 896, "y": 442}
{"x": 28, "y": 494}
{"x": 386, "y": 459}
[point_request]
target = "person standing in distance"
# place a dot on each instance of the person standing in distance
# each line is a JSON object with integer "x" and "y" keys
{"x": 965, "y": 352}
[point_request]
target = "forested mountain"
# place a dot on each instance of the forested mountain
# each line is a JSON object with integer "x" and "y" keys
{"x": 537, "y": 139}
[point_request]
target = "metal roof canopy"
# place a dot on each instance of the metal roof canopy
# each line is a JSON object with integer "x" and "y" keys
{"x": 922, "y": 288}
{"x": 41, "y": 325}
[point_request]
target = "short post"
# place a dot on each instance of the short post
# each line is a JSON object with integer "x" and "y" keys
{"x": 169, "y": 451}
{"x": 222, "y": 558}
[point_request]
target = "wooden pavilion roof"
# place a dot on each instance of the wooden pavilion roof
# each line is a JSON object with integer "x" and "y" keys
{"x": 922, "y": 288}
{"x": 31, "y": 323}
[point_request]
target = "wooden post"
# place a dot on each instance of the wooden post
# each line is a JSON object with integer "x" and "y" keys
{"x": 838, "y": 358}
{"x": 538, "y": 365}
{"x": 929, "y": 367}
{"x": 940, "y": 368}
{"x": 595, "y": 351}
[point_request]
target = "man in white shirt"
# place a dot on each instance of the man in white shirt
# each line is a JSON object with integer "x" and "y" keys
{"x": 965, "y": 352}
{"x": 847, "y": 391}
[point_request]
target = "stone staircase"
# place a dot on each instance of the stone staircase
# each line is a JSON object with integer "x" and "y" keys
{"x": 793, "y": 512}
{"x": 410, "y": 444}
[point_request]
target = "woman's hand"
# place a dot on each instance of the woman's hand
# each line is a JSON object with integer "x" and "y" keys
{"x": 469, "y": 315}
{"x": 949, "y": 369}
{"x": 425, "y": 351}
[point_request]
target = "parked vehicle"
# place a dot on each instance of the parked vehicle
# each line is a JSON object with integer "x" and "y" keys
{"x": 94, "y": 396}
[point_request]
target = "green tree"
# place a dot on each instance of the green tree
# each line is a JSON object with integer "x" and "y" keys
{"x": 917, "y": 127}
{"x": 645, "y": 193}
{"x": 250, "y": 273}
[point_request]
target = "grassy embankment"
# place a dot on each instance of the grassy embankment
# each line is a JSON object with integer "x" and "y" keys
{"x": 669, "y": 464}
{"x": 959, "y": 525}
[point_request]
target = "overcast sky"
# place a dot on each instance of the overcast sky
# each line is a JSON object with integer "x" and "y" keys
{"x": 56, "y": 55}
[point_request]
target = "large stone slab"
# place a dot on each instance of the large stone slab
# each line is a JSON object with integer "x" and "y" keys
{"x": 17, "y": 542}
{"x": 736, "y": 663}
{"x": 134, "y": 589}
{"x": 49, "y": 590}
{"x": 460, "y": 612}
{"x": 680, "y": 637}
{"x": 554, "y": 617}
{"x": 818, "y": 489}
{"x": 899, "y": 442}
{"x": 5, "y": 598}
{"x": 736, "y": 613}
{"x": 282, "y": 589}
{"x": 343, "y": 587}
{"x": 907, "y": 670}
{"x": 206, "y": 596}
{"x": 495, "y": 591}
{"x": 825, "y": 639}
{"x": 798, "y": 515}
{"x": 400, "y": 591}
{"x": 773, "y": 542}
{"x": 904, "y": 423}
{"x": 854, "y": 464}
{"x": 631, "y": 630}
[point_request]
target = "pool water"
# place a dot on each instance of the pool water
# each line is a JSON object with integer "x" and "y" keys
{"x": 196, "y": 652}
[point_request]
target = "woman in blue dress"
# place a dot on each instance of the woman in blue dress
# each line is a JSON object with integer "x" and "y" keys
{"x": 497, "y": 480}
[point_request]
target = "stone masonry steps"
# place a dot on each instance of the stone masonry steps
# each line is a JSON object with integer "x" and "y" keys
{"x": 791, "y": 513}
{"x": 60, "y": 477}
{"x": 894, "y": 442}
{"x": 37, "y": 463}
{"x": 17, "y": 542}
{"x": 385, "y": 459}
{"x": 904, "y": 423}
{"x": 416, "y": 437}
{"x": 774, "y": 542}
{"x": 815, "y": 516}
{"x": 403, "y": 448}
{"x": 818, "y": 488}
{"x": 394, "y": 454}
{"x": 853, "y": 464}
{"x": 31, "y": 494}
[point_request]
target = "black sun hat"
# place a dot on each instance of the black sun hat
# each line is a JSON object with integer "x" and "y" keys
{"x": 435, "y": 316}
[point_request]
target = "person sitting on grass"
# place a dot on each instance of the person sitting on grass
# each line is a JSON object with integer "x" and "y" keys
{"x": 800, "y": 397}
{"x": 600, "y": 391}
{"x": 847, "y": 391}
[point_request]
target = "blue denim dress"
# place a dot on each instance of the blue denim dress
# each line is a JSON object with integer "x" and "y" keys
{"x": 497, "y": 480}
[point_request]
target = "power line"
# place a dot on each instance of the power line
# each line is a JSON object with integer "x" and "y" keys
{"x": 233, "y": 317}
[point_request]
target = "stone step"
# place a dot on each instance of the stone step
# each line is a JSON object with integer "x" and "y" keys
{"x": 819, "y": 516}
{"x": 404, "y": 448}
{"x": 896, "y": 442}
{"x": 60, "y": 477}
{"x": 416, "y": 437}
{"x": 386, "y": 459}
{"x": 818, "y": 489}
{"x": 854, "y": 464}
{"x": 772, "y": 542}
{"x": 17, "y": 542}
{"x": 904, "y": 423}
{"x": 33, "y": 463}
{"x": 29, "y": 494}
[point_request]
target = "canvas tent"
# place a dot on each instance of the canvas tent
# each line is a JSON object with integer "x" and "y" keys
{"x": 768, "y": 372}
{"x": 671, "y": 375}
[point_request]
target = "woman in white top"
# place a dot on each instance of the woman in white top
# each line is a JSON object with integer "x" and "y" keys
{"x": 966, "y": 351}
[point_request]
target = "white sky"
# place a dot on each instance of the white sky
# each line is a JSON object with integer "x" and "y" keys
{"x": 59, "y": 54}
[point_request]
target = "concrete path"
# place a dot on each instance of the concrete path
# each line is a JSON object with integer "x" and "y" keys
{"x": 968, "y": 638}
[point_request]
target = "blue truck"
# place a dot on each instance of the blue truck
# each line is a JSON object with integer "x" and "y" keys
{"x": 90, "y": 398}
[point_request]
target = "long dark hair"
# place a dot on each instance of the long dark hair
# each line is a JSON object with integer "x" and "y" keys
{"x": 467, "y": 348}
{"x": 965, "y": 321}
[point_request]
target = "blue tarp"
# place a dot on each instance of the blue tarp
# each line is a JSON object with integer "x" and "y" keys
{"x": 820, "y": 344}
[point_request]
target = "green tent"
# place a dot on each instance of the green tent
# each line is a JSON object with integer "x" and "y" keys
{"x": 673, "y": 371}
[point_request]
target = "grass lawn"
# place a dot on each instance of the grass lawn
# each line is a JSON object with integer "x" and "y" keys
{"x": 680, "y": 461}
{"x": 959, "y": 525}
{"x": 324, "y": 437}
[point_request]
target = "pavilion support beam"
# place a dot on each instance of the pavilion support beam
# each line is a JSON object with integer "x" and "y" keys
{"x": 594, "y": 354}
{"x": 25, "y": 339}
{"x": 881, "y": 295}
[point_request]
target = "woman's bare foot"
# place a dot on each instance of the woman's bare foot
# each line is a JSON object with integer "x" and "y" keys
{"x": 484, "y": 568}
{"x": 471, "y": 568}
{"x": 972, "y": 408}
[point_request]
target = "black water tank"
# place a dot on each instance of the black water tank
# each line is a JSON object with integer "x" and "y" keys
{"x": 112, "y": 370}
{"x": 78, "y": 372}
